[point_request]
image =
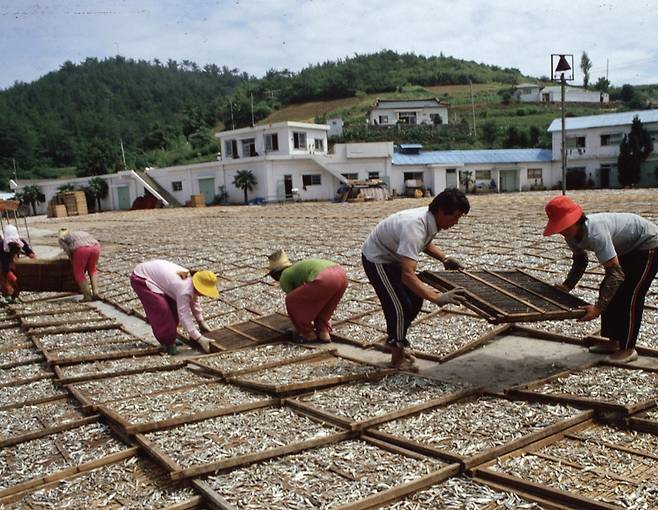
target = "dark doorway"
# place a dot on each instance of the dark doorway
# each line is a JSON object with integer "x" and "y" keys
{"x": 605, "y": 176}
{"x": 287, "y": 183}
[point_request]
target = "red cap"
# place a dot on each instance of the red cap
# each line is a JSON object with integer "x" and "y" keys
{"x": 562, "y": 212}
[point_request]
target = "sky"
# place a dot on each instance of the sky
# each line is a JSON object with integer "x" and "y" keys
{"x": 257, "y": 35}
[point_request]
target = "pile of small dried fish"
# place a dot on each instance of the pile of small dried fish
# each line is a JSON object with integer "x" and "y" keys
{"x": 49, "y": 454}
{"x": 133, "y": 484}
{"x": 45, "y": 388}
{"x": 641, "y": 441}
{"x": 463, "y": 494}
{"x": 31, "y": 418}
{"x": 49, "y": 307}
{"x": 19, "y": 356}
{"x": 227, "y": 319}
{"x": 364, "y": 335}
{"x": 66, "y": 340}
{"x": 115, "y": 365}
{"x": 33, "y": 321}
{"x": 13, "y": 337}
{"x": 568, "y": 328}
{"x": 307, "y": 371}
{"x": 445, "y": 333}
{"x": 24, "y": 372}
{"x": 364, "y": 400}
{"x": 323, "y": 477}
{"x": 648, "y": 336}
{"x": 77, "y": 326}
{"x": 126, "y": 386}
{"x": 610, "y": 384}
{"x": 130, "y": 347}
{"x": 469, "y": 427}
{"x": 181, "y": 402}
{"x": 349, "y": 308}
{"x": 237, "y": 434}
{"x": 252, "y": 357}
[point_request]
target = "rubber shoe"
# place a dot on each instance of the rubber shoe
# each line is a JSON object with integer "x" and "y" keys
{"x": 172, "y": 350}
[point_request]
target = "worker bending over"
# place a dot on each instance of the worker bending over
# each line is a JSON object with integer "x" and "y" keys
{"x": 170, "y": 293}
{"x": 313, "y": 290}
{"x": 12, "y": 246}
{"x": 84, "y": 252}
{"x": 390, "y": 255}
{"x": 626, "y": 245}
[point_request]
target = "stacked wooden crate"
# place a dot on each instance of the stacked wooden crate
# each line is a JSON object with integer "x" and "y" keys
{"x": 76, "y": 203}
{"x": 196, "y": 201}
{"x": 56, "y": 209}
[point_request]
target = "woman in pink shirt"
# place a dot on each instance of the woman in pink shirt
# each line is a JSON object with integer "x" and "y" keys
{"x": 170, "y": 294}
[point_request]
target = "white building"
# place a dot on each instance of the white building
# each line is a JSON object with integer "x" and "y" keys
{"x": 509, "y": 169}
{"x": 388, "y": 112}
{"x": 592, "y": 144}
{"x": 335, "y": 127}
{"x": 534, "y": 93}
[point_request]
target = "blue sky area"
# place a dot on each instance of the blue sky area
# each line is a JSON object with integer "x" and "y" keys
{"x": 256, "y": 35}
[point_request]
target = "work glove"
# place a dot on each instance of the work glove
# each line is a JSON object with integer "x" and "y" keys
{"x": 203, "y": 326}
{"x": 452, "y": 264}
{"x": 204, "y": 342}
{"x": 452, "y": 297}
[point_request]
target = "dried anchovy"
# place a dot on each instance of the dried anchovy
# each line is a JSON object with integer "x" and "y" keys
{"x": 444, "y": 334}
{"x": 49, "y": 454}
{"x": 66, "y": 340}
{"x": 182, "y": 402}
{"x": 237, "y": 434}
{"x": 463, "y": 494}
{"x": 641, "y": 441}
{"x": 230, "y": 361}
{"x": 363, "y": 400}
{"x": 363, "y": 334}
{"x": 31, "y": 418}
{"x": 19, "y": 356}
{"x": 611, "y": 384}
{"x": 126, "y": 386}
{"x": 348, "y": 309}
{"x": 652, "y": 414}
{"x": 100, "y": 349}
{"x": 468, "y": 427}
{"x": 230, "y": 318}
{"x": 569, "y": 328}
{"x": 323, "y": 477}
{"x": 12, "y": 337}
{"x": 77, "y": 326}
{"x": 307, "y": 371}
{"x": 62, "y": 318}
{"x": 44, "y": 388}
{"x": 115, "y": 365}
{"x": 133, "y": 484}
{"x": 374, "y": 320}
{"x": 22, "y": 372}
{"x": 648, "y": 334}
{"x": 49, "y": 307}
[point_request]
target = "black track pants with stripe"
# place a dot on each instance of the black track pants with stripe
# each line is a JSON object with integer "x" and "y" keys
{"x": 622, "y": 318}
{"x": 400, "y": 304}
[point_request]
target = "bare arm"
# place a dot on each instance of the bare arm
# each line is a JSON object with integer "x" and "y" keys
{"x": 411, "y": 281}
{"x": 435, "y": 252}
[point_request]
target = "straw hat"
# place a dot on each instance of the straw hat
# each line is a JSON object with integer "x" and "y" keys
{"x": 63, "y": 232}
{"x": 279, "y": 261}
{"x": 562, "y": 212}
{"x": 205, "y": 283}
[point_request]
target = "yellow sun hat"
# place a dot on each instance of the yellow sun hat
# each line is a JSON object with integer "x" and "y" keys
{"x": 205, "y": 283}
{"x": 279, "y": 261}
{"x": 63, "y": 232}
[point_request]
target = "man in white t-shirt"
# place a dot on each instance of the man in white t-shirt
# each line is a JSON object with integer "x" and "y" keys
{"x": 390, "y": 255}
{"x": 626, "y": 245}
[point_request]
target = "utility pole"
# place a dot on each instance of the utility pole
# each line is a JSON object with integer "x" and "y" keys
{"x": 252, "y": 110}
{"x": 475, "y": 132}
{"x": 123, "y": 155}
{"x": 230, "y": 103}
{"x": 606, "y": 68}
{"x": 15, "y": 175}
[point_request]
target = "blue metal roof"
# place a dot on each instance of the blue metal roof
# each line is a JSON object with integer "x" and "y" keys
{"x": 608, "y": 119}
{"x": 470, "y": 157}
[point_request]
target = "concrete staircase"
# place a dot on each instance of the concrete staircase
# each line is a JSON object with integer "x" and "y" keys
{"x": 167, "y": 199}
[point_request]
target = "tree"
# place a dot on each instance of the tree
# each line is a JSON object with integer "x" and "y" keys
{"x": 31, "y": 195}
{"x": 99, "y": 158}
{"x": 99, "y": 189}
{"x": 245, "y": 180}
{"x": 489, "y": 132}
{"x": 585, "y": 66}
{"x": 635, "y": 148}
{"x": 602, "y": 84}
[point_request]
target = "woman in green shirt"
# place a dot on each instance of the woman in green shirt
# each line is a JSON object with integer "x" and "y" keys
{"x": 313, "y": 290}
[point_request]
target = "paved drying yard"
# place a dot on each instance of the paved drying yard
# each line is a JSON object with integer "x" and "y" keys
{"x": 92, "y": 415}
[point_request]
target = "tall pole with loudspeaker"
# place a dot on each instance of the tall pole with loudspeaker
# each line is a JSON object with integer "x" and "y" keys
{"x": 562, "y": 71}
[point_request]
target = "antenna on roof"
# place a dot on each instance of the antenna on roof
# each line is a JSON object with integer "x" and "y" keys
{"x": 252, "y": 110}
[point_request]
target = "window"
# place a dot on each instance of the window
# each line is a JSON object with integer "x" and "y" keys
{"x": 299, "y": 140}
{"x": 407, "y": 118}
{"x": 413, "y": 176}
{"x": 351, "y": 176}
{"x": 611, "y": 139}
{"x": 373, "y": 175}
{"x": 535, "y": 173}
{"x": 177, "y": 185}
{"x": 231, "y": 149}
{"x": 271, "y": 142}
{"x": 436, "y": 118}
{"x": 312, "y": 179}
{"x": 483, "y": 175}
{"x": 577, "y": 142}
{"x": 383, "y": 119}
{"x": 249, "y": 147}
{"x": 319, "y": 144}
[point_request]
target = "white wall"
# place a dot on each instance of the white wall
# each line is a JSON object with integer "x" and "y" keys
{"x": 422, "y": 114}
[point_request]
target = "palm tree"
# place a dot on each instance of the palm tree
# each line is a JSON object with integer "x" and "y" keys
{"x": 245, "y": 180}
{"x": 31, "y": 195}
{"x": 99, "y": 189}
